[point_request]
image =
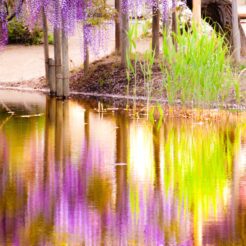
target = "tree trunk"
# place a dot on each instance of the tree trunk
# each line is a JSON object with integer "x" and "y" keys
{"x": 65, "y": 64}
{"x": 197, "y": 11}
{"x": 57, "y": 49}
{"x": 117, "y": 28}
{"x": 46, "y": 47}
{"x": 86, "y": 51}
{"x": 86, "y": 58}
{"x": 156, "y": 28}
{"x": 52, "y": 77}
{"x": 57, "y": 55}
{"x": 235, "y": 32}
{"x": 124, "y": 31}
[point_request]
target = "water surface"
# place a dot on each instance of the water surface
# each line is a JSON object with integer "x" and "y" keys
{"x": 72, "y": 176}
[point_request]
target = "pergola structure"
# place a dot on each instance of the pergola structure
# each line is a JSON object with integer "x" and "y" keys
{"x": 218, "y": 13}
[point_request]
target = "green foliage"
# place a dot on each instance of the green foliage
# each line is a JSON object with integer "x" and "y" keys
{"x": 132, "y": 35}
{"x": 50, "y": 39}
{"x": 198, "y": 70}
{"x": 19, "y": 33}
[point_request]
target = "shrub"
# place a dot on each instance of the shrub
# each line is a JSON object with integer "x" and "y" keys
{"x": 19, "y": 33}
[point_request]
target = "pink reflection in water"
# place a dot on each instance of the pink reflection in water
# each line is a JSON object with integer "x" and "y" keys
{"x": 62, "y": 187}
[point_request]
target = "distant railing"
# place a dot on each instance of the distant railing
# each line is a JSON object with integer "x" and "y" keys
{"x": 242, "y": 12}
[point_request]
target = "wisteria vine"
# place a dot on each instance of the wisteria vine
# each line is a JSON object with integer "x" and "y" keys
{"x": 3, "y": 25}
{"x": 67, "y": 14}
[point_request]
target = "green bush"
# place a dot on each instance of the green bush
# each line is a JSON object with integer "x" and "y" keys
{"x": 19, "y": 33}
{"x": 51, "y": 39}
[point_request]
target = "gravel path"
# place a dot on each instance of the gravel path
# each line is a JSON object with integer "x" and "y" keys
{"x": 20, "y": 62}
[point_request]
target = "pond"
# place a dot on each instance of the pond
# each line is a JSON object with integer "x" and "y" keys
{"x": 72, "y": 176}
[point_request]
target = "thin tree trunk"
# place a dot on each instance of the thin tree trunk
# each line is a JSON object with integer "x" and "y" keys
{"x": 117, "y": 28}
{"x": 86, "y": 58}
{"x": 124, "y": 37}
{"x": 52, "y": 77}
{"x": 46, "y": 46}
{"x": 235, "y": 32}
{"x": 57, "y": 51}
{"x": 197, "y": 11}
{"x": 65, "y": 63}
{"x": 156, "y": 28}
{"x": 86, "y": 51}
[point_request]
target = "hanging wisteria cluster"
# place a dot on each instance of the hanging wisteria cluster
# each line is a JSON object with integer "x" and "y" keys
{"x": 60, "y": 14}
{"x": 66, "y": 14}
{"x": 140, "y": 8}
{"x": 3, "y": 25}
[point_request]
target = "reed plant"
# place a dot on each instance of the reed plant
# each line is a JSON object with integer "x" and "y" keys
{"x": 145, "y": 62}
{"x": 146, "y": 67}
{"x": 197, "y": 69}
{"x": 132, "y": 56}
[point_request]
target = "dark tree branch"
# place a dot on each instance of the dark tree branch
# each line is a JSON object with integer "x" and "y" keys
{"x": 12, "y": 16}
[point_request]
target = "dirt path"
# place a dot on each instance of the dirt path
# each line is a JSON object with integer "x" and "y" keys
{"x": 20, "y": 63}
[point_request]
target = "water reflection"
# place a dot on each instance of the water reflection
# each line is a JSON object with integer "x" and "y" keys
{"x": 75, "y": 177}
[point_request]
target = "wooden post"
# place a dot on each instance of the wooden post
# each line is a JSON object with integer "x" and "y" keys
{"x": 197, "y": 11}
{"x": 57, "y": 52}
{"x": 156, "y": 28}
{"x": 235, "y": 33}
{"x": 124, "y": 37}
{"x": 86, "y": 58}
{"x": 46, "y": 46}
{"x": 65, "y": 64}
{"x": 86, "y": 51}
{"x": 59, "y": 86}
{"x": 52, "y": 77}
{"x": 117, "y": 28}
